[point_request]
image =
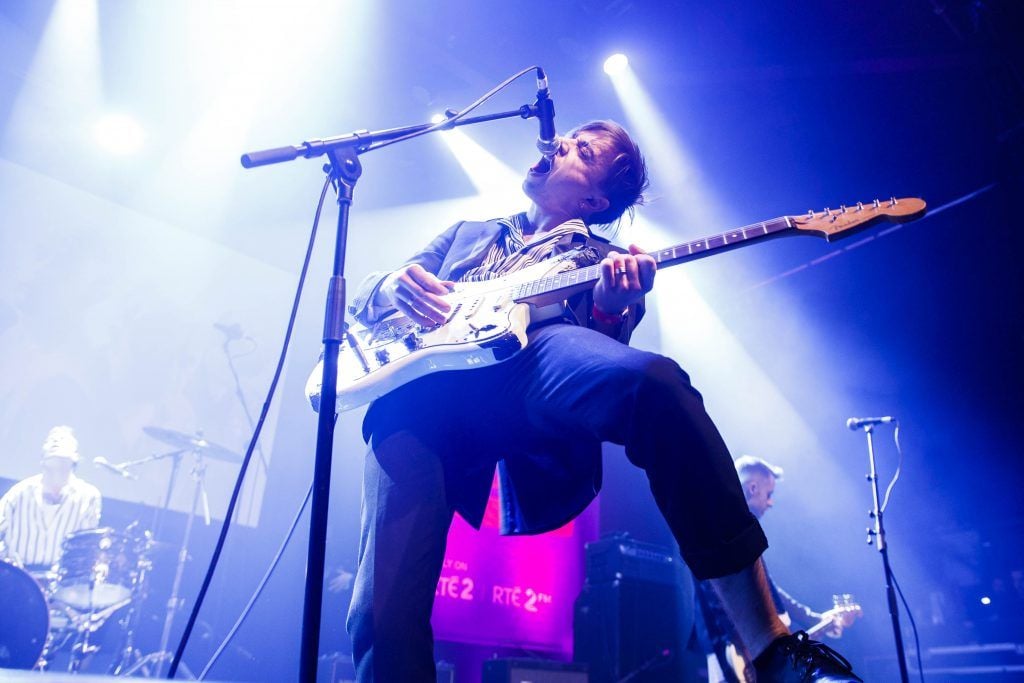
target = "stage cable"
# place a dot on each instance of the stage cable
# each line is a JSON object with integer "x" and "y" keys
{"x": 913, "y": 624}
{"x": 255, "y": 438}
{"x": 259, "y": 589}
{"x": 440, "y": 125}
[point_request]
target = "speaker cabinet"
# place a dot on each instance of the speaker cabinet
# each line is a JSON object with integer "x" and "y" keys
{"x": 634, "y": 616}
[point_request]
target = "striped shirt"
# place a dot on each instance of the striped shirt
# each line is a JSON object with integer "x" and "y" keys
{"x": 32, "y": 529}
{"x": 511, "y": 252}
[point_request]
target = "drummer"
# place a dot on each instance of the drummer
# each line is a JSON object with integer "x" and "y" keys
{"x": 39, "y": 512}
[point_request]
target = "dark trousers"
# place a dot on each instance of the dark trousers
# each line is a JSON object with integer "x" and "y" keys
{"x": 569, "y": 383}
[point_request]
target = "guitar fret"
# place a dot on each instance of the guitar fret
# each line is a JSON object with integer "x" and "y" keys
{"x": 668, "y": 256}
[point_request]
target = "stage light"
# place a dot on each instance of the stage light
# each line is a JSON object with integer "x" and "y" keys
{"x": 119, "y": 134}
{"x": 986, "y": 600}
{"x": 616, "y": 64}
{"x": 437, "y": 118}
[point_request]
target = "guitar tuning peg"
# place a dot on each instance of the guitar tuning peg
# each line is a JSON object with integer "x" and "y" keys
{"x": 877, "y": 203}
{"x": 860, "y": 206}
{"x": 810, "y": 213}
{"x": 892, "y": 201}
{"x": 842, "y": 208}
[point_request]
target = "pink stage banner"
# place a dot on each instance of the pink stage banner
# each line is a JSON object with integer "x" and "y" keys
{"x": 512, "y": 591}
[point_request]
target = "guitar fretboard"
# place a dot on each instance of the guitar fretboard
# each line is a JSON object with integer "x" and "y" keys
{"x": 681, "y": 253}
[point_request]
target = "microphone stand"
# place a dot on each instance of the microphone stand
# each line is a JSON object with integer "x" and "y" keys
{"x": 344, "y": 170}
{"x": 878, "y": 534}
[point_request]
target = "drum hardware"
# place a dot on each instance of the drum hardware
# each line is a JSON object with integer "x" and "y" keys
{"x": 100, "y": 571}
{"x": 199, "y": 448}
{"x": 194, "y": 443}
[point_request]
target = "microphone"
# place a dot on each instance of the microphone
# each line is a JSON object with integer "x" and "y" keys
{"x": 547, "y": 140}
{"x": 855, "y": 423}
{"x": 106, "y": 464}
{"x": 231, "y": 331}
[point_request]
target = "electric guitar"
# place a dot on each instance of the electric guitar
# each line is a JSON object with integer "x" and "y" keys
{"x": 843, "y": 613}
{"x": 487, "y": 321}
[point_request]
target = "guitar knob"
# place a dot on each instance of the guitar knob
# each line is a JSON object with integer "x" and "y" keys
{"x": 382, "y": 356}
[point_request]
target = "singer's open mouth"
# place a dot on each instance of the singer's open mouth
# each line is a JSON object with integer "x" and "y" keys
{"x": 542, "y": 167}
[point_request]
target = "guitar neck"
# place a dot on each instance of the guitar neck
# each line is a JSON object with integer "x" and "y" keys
{"x": 560, "y": 286}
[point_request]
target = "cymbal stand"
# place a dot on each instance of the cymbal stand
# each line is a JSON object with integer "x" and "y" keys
{"x": 174, "y": 603}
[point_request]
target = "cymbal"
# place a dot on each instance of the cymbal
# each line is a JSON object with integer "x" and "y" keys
{"x": 192, "y": 442}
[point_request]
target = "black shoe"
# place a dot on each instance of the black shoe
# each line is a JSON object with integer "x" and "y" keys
{"x": 798, "y": 659}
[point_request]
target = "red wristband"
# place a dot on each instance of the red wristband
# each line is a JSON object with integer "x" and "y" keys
{"x": 606, "y": 318}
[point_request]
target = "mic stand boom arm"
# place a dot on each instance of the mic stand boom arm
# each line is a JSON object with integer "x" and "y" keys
{"x": 364, "y": 140}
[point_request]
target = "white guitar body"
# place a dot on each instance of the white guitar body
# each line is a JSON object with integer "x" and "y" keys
{"x": 484, "y": 326}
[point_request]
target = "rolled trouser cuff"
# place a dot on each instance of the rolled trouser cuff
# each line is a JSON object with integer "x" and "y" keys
{"x": 729, "y": 556}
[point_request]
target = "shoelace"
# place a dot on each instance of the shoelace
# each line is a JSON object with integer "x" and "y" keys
{"x": 810, "y": 652}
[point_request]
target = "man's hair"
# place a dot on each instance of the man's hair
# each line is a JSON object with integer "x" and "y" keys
{"x": 626, "y": 181}
{"x": 750, "y": 463}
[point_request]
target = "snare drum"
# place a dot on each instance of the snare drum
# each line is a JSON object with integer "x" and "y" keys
{"x": 24, "y": 618}
{"x": 98, "y": 568}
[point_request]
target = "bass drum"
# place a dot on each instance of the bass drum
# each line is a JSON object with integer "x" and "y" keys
{"x": 24, "y": 618}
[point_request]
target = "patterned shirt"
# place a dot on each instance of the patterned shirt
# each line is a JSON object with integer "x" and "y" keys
{"x": 511, "y": 252}
{"x": 32, "y": 529}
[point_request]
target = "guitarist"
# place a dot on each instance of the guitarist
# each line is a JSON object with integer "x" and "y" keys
{"x": 727, "y": 660}
{"x": 540, "y": 417}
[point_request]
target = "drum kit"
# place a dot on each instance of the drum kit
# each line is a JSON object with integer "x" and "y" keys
{"x": 101, "y": 577}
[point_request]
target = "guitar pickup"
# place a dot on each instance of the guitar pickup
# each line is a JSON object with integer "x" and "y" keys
{"x": 412, "y": 342}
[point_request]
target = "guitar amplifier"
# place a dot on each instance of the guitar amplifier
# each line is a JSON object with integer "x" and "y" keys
{"x": 513, "y": 670}
{"x": 618, "y": 556}
{"x": 635, "y": 613}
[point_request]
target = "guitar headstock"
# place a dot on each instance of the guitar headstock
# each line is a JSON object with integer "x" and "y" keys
{"x": 833, "y": 224}
{"x": 845, "y": 609}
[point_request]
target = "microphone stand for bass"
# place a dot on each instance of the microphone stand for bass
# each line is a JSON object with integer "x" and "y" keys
{"x": 344, "y": 170}
{"x": 877, "y": 535}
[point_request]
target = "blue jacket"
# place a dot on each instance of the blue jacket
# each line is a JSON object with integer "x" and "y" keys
{"x": 542, "y": 490}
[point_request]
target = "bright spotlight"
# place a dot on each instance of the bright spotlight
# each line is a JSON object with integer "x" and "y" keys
{"x": 119, "y": 134}
{"x": 615, "y": 64}
{"x": 986, "y": 600}
{"x": 437, "y": 118}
